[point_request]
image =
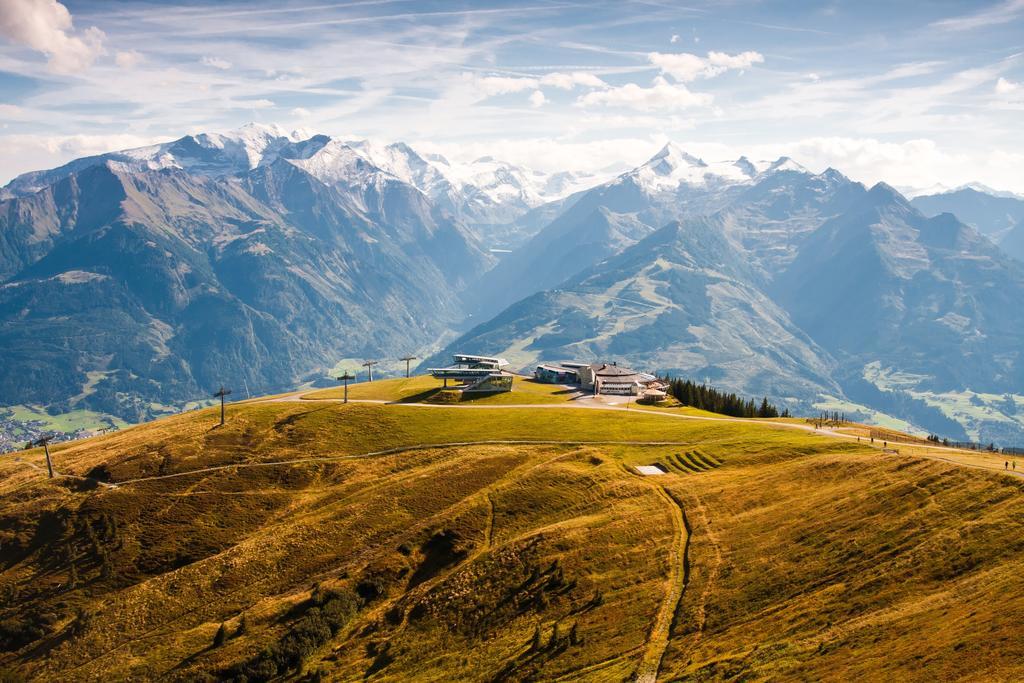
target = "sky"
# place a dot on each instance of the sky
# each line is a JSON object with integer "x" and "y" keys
{"x": 915, "y": 94}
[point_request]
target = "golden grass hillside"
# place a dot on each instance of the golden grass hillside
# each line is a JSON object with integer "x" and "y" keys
{"x": 311, "y": 540}
{"x": 424, "y": 388}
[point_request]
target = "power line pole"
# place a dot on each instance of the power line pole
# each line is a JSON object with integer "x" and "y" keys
{"x": 369, "y": 368}
{"x": 345, "y": 378}
{"x": 221, "y": 394}
{"x": 407, "y": 360}
{"x": 45, "y": 443}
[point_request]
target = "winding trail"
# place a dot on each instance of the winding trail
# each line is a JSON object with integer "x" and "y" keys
{"x": 678, "y": 577}
{"x": 400, "y": 449}
{"x": 581, "y": 403}
{"x": 587, "y": 403}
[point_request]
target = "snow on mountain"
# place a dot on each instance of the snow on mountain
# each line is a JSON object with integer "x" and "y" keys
{"x": 404, "y": 163}
{"x": 213, "y": 154}
{"x": 483, "y": 192}
{"x": 673, "y": 168}
{"x": 939, "y": 189}
{"x": 499, "y": 183}
{"x": 338, "y": 162}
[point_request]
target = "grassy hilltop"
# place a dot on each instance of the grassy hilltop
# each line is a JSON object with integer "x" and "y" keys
{"x": 309, "y": 539}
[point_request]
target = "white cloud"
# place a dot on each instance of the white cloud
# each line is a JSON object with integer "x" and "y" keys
{"x": 1005, "y": 87}
{"x": 46, "y": 26}
{"x": 568, "y": 81}
{"x": 661, "y": 96}
{"x": 682, "y": 66}
{"x": 686, "y": 67}
{"x": 537, "y": 99}
{"x": 216, "y": 63}
{"x": 25, "y": 153}
{"x": 128, "y": 59}
{"x": 674, "y": 38}
{"x": 720, "y": 62}
{"x": 658, "y": 122}
{"x": 259, "y": 103}
{"x": 12, "y": 112}
{"x": 914, "y": 163}
{"x": 1002, "y": 13}
{"x": 552, "y": 154}
{"x": 301, "y": 112}
{"x": 504, "y": 85}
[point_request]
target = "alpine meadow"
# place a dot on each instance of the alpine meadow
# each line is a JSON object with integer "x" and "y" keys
{"x": 485, "y": 341}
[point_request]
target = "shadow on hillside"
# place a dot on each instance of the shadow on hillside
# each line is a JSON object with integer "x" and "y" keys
{"x": 422, "y": 397}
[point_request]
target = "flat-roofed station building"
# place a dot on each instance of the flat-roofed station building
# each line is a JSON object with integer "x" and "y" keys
{"x": 476, "y": 373}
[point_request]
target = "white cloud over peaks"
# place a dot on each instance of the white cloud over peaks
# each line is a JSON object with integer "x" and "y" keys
{"x": 568, "y": 81}
{"x": 661, "y": 96}
{"x": 1005, "y": 87}
{"x": 216, "y": 63}
{"x": 46, "y": 26}
{"x": 674, "y": 38}
{"x": 686, "y": 67}
{"x": 128, "y": 59}
{"x": 492, "y": 86}
{"x": 537, "y": 99}
{"x": 31, "y": 152}
{"x": 504, "y": 85}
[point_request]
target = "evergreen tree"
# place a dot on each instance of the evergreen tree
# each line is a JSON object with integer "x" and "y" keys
{"x": 554, "y": 637}
{"x": 222, "y": 635}
{"x": 708, "y": 398}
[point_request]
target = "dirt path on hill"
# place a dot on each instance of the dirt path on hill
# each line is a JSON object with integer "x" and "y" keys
{"x": 399, "y": 449}
{"x": 1016, "y": 473}
{"x": 678, "y": 577}
{"x": 585, "y": 403}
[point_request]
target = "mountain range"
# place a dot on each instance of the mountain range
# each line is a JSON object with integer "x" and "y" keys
{"x": 136, "y": 281}
{"x": 997, "y": 215}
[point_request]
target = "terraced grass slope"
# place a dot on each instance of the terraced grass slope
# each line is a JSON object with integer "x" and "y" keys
{"x": 400, "y": 542}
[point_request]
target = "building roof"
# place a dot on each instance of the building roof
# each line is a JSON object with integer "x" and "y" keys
{"x": 555, "y": 368}
{"x": 606, "y": 370}
{"x": 470, "y": 358}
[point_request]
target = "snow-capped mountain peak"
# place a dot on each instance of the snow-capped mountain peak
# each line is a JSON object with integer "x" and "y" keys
{"x": 785, "y": 164}
{"x": 672, "y": 168}
{"x": 671, "y": 156}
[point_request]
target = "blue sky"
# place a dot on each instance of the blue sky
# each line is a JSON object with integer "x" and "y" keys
{"x": 915, "y": 94}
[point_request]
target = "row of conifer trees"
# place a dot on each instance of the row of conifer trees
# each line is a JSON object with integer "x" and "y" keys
{"x": 702, "y": 396}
